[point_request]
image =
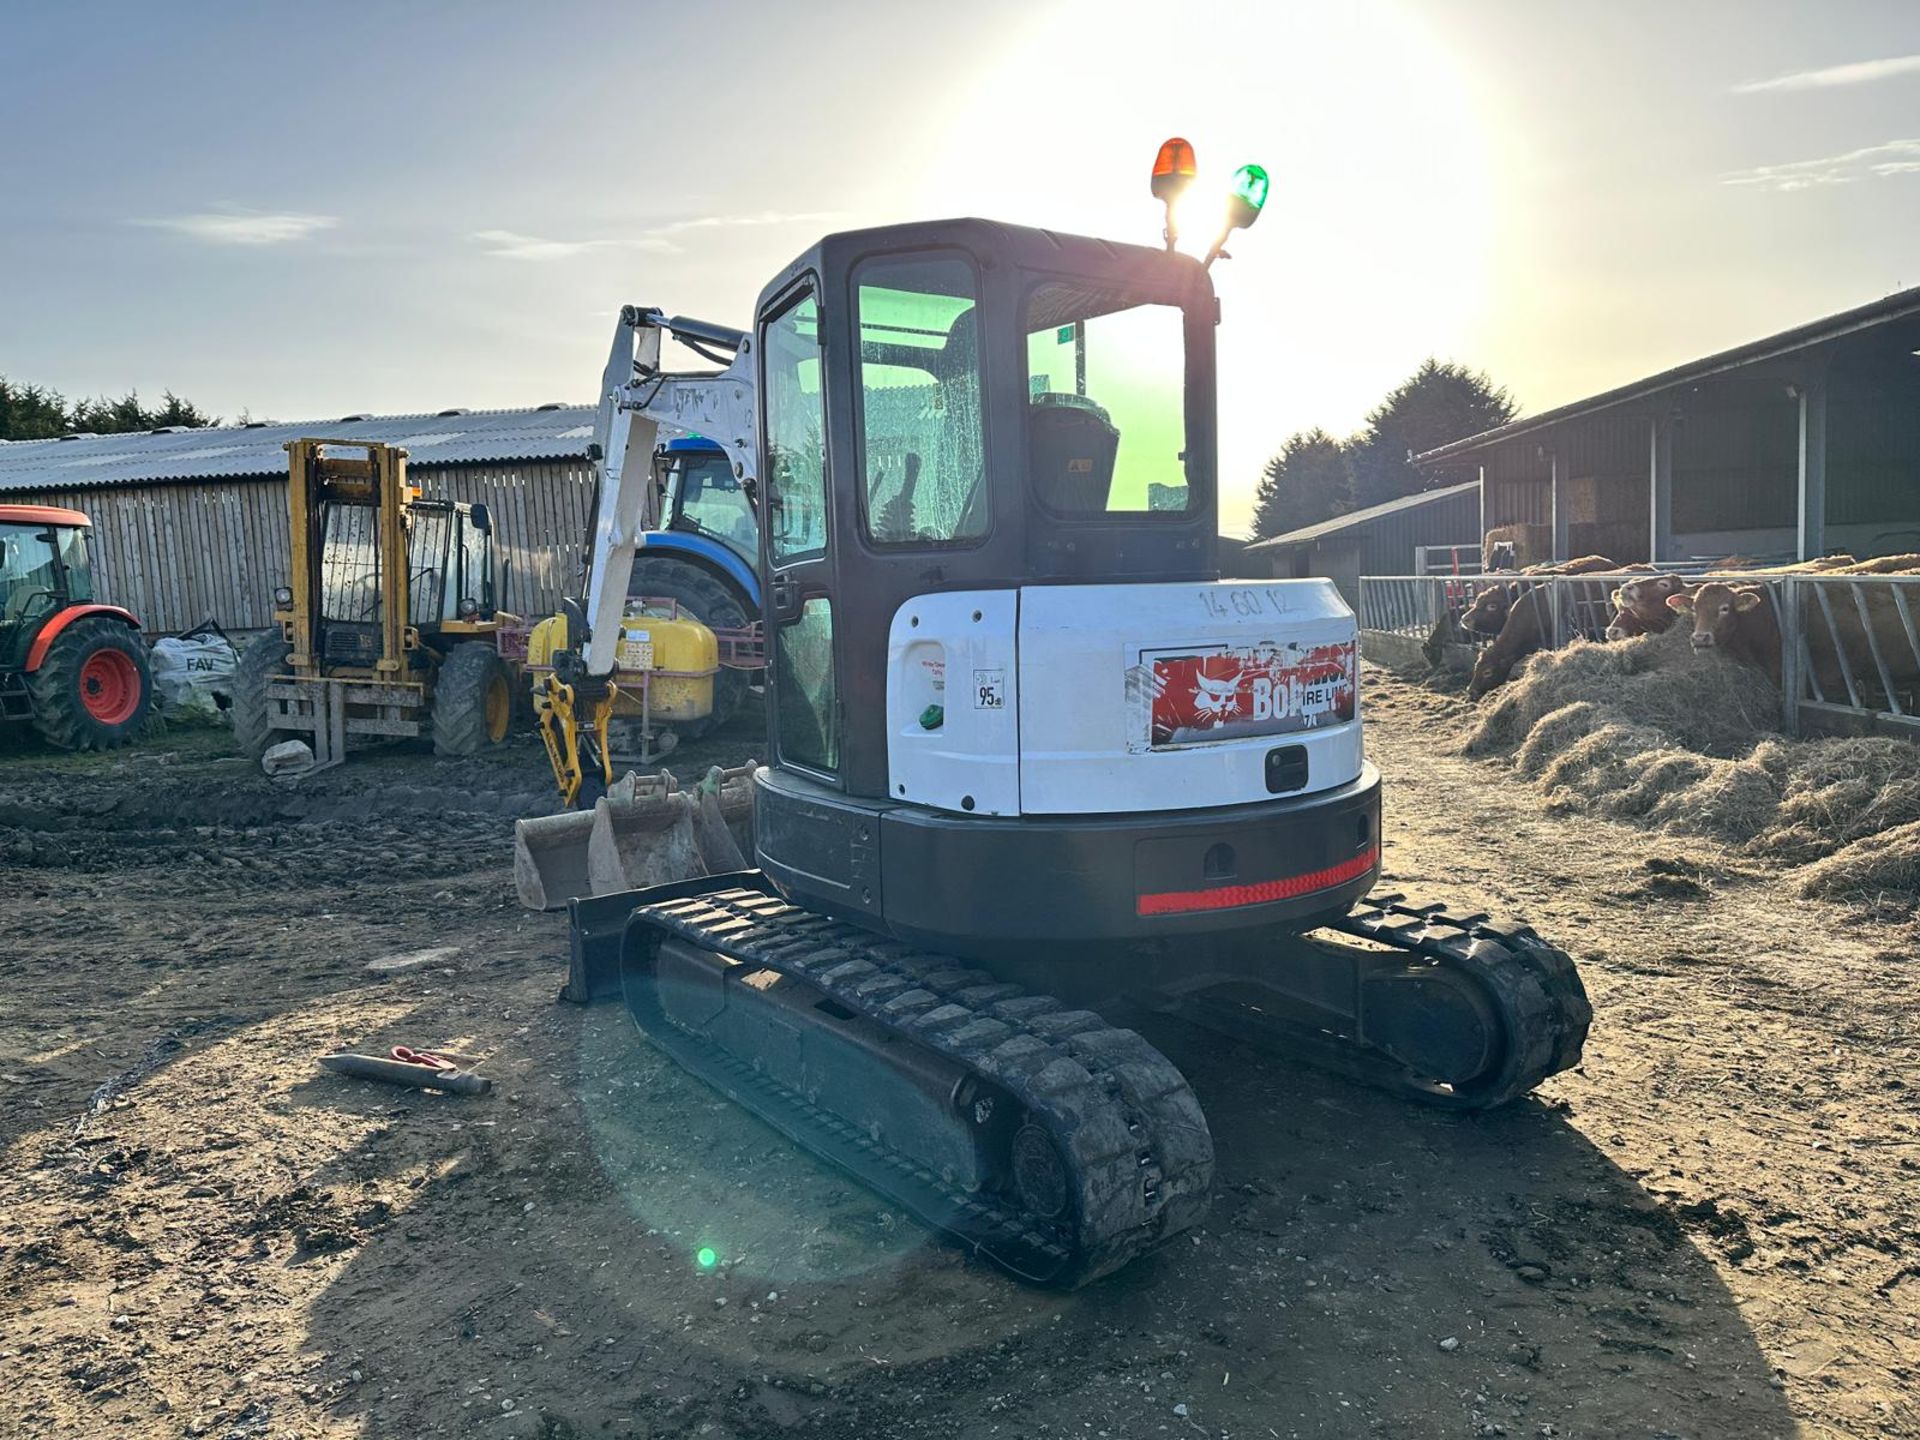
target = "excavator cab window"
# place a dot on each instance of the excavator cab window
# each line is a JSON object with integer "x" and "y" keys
{"x": 1106, "y": 396}
{"x": 921, "y": 440}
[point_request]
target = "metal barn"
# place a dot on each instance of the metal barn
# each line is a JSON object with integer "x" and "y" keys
{"x": 1380, "y": 540}
{"x": 1795, "y": 446}
{"x": 191, "y": 525}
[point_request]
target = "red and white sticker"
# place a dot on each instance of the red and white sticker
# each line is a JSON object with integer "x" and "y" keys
{"x": 1236, "y": 692}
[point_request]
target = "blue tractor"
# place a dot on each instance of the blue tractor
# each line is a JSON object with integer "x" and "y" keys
{"x": 704, "y": 555}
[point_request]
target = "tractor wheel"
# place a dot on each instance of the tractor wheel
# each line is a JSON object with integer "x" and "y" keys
{"x": 714, "y": 604}
{"x": 472, "y": 700}
{"x": 263, "y": 661}
{"x": 91, "y": 690}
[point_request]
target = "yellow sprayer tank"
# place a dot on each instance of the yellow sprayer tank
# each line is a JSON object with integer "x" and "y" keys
{"x": 678, "y": 655}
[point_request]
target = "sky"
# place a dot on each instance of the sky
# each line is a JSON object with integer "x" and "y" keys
{"x": 305, "y": 212}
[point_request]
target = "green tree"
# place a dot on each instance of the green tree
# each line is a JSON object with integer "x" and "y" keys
{"x": 1307, "y": 482}
{"x": 36, "y": 412}
{"x": 31, "y": 412}
{"x": 1441, "y": 402}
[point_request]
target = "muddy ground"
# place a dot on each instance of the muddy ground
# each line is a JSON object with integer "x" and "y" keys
{"x": 1712, "y": 1229}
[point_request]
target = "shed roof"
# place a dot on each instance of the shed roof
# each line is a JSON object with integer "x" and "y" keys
{"x": 1901, "y": 305}
{"x": 450, "y": 437}
{"x": 1354, "y": 518}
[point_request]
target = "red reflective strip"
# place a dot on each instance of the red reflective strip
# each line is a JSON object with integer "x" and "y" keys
{"x": 1226, "y": 897}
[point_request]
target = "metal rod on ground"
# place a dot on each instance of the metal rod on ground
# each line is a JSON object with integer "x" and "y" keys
{"x": 400, "y": 1072}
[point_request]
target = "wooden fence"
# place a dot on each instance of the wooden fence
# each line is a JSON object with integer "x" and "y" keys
{"x": 181, "y": 553}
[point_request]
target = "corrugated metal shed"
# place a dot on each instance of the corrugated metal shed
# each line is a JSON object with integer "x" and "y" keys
{"x": 452, "y": 437}
{"x": 1899, "y": 311}
{"x": 1730, "y": 428}
{"x": 192, "y": 525}
{"x": 1379, "y": 540}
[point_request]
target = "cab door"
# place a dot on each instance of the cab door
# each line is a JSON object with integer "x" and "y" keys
{"x": 804, "y": 715}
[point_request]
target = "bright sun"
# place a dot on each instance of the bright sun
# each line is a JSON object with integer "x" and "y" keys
{"x": 1376, "y": 245}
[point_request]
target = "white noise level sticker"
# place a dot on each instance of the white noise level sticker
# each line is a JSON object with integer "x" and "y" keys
{"x": 989, "y": 689}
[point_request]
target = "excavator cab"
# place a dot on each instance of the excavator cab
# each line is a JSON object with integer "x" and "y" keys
{"x": 966, "y": 421}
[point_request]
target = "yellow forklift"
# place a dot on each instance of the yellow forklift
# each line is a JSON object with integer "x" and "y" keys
{"x": 387, "y": 624}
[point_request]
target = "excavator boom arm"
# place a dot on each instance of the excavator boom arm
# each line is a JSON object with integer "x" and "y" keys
{"x": 640, "y": 407}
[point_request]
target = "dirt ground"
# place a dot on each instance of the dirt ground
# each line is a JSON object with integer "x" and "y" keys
{"x": 1712, "y": 1229}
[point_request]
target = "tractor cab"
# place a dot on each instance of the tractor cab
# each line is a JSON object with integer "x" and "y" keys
{"x": 76, "y": 668}
{"x": 701, "y": 495}
{"x": 44, "y": 567}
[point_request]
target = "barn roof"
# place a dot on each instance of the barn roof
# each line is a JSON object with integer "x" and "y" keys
{"x": 1902, "y": 305}
{"x": 1354, "y": 518}
{"x": 450, "y": 437}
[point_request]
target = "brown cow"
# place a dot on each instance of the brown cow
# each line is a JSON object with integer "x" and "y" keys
{"x": 1739, "y": 623}
{"x": 1518, "y": 617}
{"x": 1640, "y": 607}
{"x": 1488, "y": 612}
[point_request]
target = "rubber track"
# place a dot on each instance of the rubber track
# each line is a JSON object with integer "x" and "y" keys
{"x": 1534, "y": 984}
{"x": 1131, "y": 1134}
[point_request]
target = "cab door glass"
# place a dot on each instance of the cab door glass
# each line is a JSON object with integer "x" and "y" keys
{"x": 712, "y": 500}
{"x": 922, "y": 448}
{"x": 804, "y": 690}
{"x": 27, "y": 578}
{"x": 796, "y": 481}
{"x": 76, "y": 559}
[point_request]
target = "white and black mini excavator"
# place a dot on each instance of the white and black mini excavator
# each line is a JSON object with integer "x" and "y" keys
{"x": 1027, "y": 744}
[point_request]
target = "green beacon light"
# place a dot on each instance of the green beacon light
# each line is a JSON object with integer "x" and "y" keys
{"x": 706, "y": 1257}
{"x": 1248, "y": 196}
{"x": 1245, "y": 200}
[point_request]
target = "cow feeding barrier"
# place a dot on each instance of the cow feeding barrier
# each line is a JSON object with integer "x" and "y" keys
{"x": 1849, "y": 644}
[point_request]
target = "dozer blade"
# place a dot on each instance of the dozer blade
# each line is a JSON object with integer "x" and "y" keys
{"x": 1052, "y": 1144}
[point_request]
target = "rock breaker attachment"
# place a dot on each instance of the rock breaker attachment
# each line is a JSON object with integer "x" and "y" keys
{"x": 1051, "y": 1143}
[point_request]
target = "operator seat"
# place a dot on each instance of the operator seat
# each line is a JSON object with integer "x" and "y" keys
{"x": 1071, "y": 445}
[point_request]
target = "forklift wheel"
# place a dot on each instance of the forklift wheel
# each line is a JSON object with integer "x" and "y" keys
{"x": 262, "y": 661}
{"x": 91, "y": 691}
{"x": 472, "y": 700}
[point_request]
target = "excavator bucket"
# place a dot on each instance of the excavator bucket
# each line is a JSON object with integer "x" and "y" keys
{"x": 550, "y": 859}
{"x": 643, "y": 832}
{"x": 641, "y": 842}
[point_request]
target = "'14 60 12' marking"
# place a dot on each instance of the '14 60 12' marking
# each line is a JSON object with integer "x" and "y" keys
{"x": 1226, "y": 604}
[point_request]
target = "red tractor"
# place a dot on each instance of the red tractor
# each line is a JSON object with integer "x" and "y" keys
{"x": 75, "y": 668}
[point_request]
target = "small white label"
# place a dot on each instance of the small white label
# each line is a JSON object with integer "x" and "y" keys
{"x": 989, "y": 689}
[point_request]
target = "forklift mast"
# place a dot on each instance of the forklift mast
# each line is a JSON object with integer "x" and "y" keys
{"x": 375, "y": 553}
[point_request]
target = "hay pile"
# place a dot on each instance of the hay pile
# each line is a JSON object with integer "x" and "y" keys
{"x": 1648, "y": 731}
